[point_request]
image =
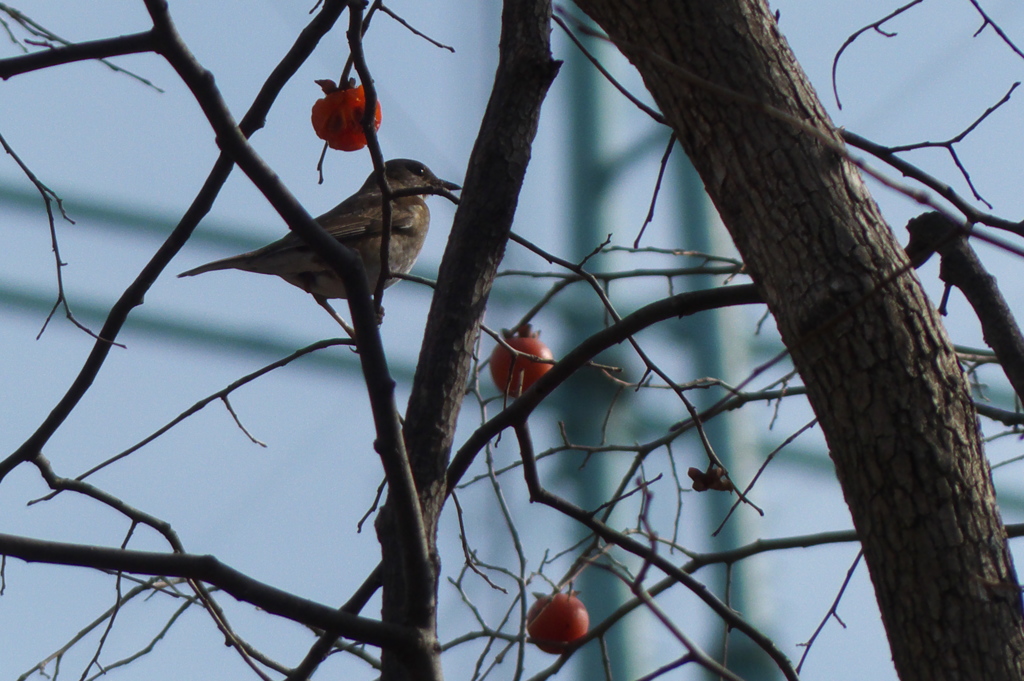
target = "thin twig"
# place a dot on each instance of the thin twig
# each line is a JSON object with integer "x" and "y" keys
{"x": 220, "y": 394}
{"x": 657, "y": 188}
{"x": 403, "y": 22}
{"x": 760, "y": 470}
{"x": 832, "y": 612}
{"x": 238, "y": 422}
{"x": 876, "y": 26}
{"x": 49, "y": 197}
{"x": 948, "y": 144}
{"x": 987, "y": 21}
{"x": 50, "y": 37}
{"x": 658, "y": 118}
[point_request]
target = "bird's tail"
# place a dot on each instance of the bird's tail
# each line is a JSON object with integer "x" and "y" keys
{"x": 225, "y": 264}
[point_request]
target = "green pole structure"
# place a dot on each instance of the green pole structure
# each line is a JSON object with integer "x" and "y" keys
{"x": 709, "y": 345}
{"x": 714, "y": 343}
{"x": 589, "y": 175}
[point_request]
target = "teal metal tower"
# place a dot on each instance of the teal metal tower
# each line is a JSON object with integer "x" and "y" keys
{"x": 709, "y": 344}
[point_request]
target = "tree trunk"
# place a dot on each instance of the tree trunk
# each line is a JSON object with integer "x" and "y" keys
{"x": 880, "y": 372}
{"x": 480, "y": 231}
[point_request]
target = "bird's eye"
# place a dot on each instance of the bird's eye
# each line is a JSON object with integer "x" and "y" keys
{"x": 418, "y": 169}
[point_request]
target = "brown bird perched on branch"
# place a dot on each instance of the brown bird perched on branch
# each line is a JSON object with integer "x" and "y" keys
{"x": 356, "y": 222}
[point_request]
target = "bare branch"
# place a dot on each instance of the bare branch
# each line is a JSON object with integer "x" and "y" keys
{"x": 657, "y": 187}
{"x": 948, "y": 144}
{"x": 987, "y": 21}
{"x": 403, "y": 22}
{"x": 877, "y": 27}
{"x": 730, "y": 616}
{"x": 676, "y": 306}
{"x": 656, "y": 116}
{"x": 210, "y": 570}
{"x": 832, "y": 611}
{"x": 71, "y": 52}
{"x": 938, "y": 186}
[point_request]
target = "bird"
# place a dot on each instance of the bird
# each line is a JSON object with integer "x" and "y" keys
{"x": 356, "y": 222}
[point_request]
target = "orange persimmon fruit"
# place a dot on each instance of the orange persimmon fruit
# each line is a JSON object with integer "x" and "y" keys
{"x": 513, "y": 373}
{"x": 554, "y": 620}
{"x": 337, "y": 118}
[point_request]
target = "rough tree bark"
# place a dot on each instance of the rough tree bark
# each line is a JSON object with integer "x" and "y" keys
{"x": 880, "y": 371}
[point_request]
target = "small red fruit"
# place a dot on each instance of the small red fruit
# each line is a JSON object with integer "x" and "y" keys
{"x": 337, "y": 117}
{"x": 514, "y": 373}
{"x": 553, "y": 621}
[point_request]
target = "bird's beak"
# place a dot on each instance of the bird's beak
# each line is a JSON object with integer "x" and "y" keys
{"x": 450, "y": 186}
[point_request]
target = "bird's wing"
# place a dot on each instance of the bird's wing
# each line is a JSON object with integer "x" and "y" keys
{"x": 344, "y": 224}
